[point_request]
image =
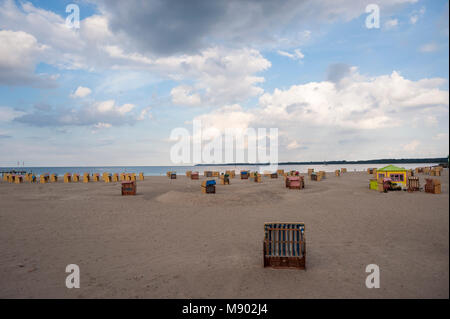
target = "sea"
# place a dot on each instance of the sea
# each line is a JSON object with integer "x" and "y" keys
{"x": 161, "y": 170}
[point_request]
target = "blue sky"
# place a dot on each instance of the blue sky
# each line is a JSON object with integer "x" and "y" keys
{"x": 111, "y": 92}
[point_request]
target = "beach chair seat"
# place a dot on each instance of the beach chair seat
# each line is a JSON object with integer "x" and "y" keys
{"x": 284, "y": 245}
{"x": 53, "y": 178}
{"x": 128, "y": 188}
{"x": 76, "y": 178}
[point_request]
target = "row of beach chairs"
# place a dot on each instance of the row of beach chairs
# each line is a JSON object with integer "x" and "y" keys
{"x": 68, "y": 178}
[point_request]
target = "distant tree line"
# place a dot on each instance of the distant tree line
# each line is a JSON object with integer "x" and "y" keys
{"x": 437, "y": 160}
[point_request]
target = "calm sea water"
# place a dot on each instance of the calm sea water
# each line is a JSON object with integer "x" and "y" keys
{"x": 161, "y": 170}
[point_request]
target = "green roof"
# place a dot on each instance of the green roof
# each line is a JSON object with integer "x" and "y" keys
{"x": 391, "y": 168}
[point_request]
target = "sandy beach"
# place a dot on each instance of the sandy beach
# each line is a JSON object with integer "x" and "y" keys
{"x": 172, "y": 241}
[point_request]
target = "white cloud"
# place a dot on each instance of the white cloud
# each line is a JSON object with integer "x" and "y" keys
{"x": 293, "y": 145}
{"x": 182, "y": 95}
{"x": 416, "y": 15}
{"x": 346, "y": 115}
{"x": 428, "y": 47}
{"x": 412, "y": 146}
{"x": 101, "y": 125}
{"x": 390, "y": 24}
{"x": 81, "y": 92}
{"x": 8, "y": 114}
{"x": 19, "y": 54}
{"x": 111, "y": 107}
{"x": 145, "y": 113}
{"x": 297, "y": 55}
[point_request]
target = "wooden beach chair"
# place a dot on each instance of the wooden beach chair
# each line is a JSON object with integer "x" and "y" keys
{"x": 208, "y": 187}
{"x": 273, "y": 175}
{"x": 194, "y": 175}
{"x": 18, "y": 179}
{"x": 96, "y": 177}
{"x": 123, "y": 177}
{"x": 244, "y": 174}
{"x": 53, "y": 178}
{"x": 257, "y": 177}
{"x": 141, "y": 176}
{"x": 75, "y": 178}
{"x": 280, "y": 172}
{"x": 337, "y": 172}
{"x": 128, "y": 188}
{"x": 343, "y": 170}
{"x": 413, "y": 184}
{"x": 295, "y": 182}
{"x": 67, "y": 178}
{"x": 433, "y": 186}
{"x": 107, "y": 178}
{"x": 284, "y": 245}
{"x": 86, "y": 178}
{"x": 115, "y": 177}
{"x": 310, "y": 171}
{"x": 173, "y": 175}
{"x": 44, "y": 178}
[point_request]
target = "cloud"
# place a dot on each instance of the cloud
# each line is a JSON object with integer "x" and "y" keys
{"x": 297, "y": 55}
{"x": 101, "y": 125}
{"x": 8, "y": 114}
{"x": 106, "y": 112}
{"x": 416, "y": 14}
{"x": 182, "y": 95}
{"x": 329, "y": 116}
{"x": 428, "y": 47}
{"x": 81, "y": 92}
{"x": 173, "y": 27}
{"x": 19, "y": 54}
{"x": 412, "y": 146}
{"x": 390, "y": 24}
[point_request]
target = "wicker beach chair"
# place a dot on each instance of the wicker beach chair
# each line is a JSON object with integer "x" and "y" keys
{"x": 284, "y": 245}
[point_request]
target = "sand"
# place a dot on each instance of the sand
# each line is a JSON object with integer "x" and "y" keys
{"x": 172, "y": 241}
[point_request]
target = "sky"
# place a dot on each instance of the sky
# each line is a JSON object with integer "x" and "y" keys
{"x": 111, "y": 91}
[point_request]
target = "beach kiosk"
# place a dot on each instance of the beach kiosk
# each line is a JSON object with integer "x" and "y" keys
{"x": 395, "y": 173}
